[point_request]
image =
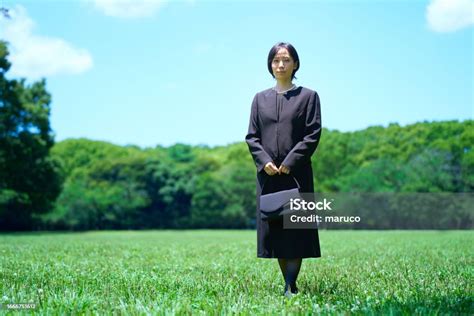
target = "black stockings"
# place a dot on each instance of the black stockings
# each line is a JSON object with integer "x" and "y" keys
{"x": 290, "y": 268}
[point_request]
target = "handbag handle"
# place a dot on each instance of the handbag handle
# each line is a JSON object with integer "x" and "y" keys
{"x": 268, "y": 178}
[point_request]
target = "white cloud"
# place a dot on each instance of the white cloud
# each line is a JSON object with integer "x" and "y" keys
{"x": 35, "y": 56}
{"x": 128, "y": 8}
{"x": 450, "y": 15}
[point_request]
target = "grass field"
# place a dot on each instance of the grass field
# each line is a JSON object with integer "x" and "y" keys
{"x": 217, "y": 272}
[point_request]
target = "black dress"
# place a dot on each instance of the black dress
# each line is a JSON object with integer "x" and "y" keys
{"x": 285, "y": 128}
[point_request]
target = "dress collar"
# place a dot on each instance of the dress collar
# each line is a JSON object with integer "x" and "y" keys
{"x": 285, "y": 91}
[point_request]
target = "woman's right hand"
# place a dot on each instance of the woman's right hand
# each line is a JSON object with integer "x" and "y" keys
{"x": 271, "y": 169}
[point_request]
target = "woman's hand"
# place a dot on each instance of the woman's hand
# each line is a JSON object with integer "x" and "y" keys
{"x": 271, "y": 169}
{"x": 283, "y": 169}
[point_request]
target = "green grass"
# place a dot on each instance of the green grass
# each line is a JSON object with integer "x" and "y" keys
{"x": 217, "y": 272}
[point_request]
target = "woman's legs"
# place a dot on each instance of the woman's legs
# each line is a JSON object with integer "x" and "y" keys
{"x": 290, "y": 269}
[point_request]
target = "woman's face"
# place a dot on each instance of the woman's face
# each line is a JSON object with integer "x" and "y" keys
{"x": 283, "y": 65}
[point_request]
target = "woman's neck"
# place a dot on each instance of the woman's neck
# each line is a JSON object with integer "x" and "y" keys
{"x": 283, "y": 85}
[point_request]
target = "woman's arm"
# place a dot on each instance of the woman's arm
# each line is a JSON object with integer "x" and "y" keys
{"x": 260, "y": 156}
{"x": 304, "y": 149}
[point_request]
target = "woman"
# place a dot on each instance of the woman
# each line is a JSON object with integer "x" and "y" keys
{"x": 284, "y": 131}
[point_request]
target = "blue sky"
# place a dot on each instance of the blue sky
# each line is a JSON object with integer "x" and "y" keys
{"x": 159, "y": 73}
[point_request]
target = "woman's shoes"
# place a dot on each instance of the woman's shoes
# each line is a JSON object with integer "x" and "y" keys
{"x": 290, "y": 290}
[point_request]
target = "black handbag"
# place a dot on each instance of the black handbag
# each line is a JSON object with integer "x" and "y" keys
{"x": 275, "y": 205}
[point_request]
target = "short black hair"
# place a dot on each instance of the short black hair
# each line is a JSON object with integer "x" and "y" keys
{"x": 291, "y": 50}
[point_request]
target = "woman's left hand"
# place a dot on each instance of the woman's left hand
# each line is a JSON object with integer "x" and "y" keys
{"x": 284, "y": 169}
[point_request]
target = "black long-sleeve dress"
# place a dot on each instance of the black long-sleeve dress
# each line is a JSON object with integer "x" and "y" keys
{"x": 285, "y": 128}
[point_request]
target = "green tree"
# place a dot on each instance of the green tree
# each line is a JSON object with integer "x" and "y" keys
{"x": 29, "y": 177}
